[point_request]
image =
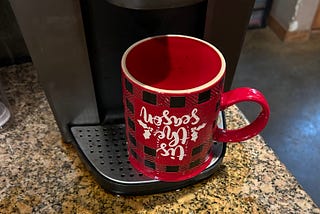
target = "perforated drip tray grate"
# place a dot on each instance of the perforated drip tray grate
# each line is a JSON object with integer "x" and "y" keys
{"x": 104, "y": 151}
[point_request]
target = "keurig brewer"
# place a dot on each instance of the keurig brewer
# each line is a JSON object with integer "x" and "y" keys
{"x": 76, "y": 46}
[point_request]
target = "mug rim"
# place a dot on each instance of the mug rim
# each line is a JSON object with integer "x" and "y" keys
{"x": 172, "y": 91}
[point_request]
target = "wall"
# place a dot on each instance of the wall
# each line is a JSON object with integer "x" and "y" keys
{"x": 306, "y": 13}
{"x": 283, "y": 10}
{"x": 294, "y": 15}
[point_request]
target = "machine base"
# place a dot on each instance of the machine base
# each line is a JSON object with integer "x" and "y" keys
{"x": 103, "y": 148}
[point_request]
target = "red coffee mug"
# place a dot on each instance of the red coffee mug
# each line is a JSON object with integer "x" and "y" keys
{"x": 172, "y": 94}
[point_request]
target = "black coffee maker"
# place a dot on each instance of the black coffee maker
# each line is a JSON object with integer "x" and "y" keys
{"x": 76, "y": 47}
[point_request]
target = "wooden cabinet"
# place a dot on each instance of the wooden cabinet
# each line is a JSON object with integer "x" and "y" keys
{"x": 316, "y": 20}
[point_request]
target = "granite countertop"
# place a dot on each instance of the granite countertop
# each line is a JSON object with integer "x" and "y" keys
{"x": 41, "y": 174}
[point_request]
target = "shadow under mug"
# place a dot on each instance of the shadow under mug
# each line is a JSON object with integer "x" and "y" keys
{"x": 172, "y": 95}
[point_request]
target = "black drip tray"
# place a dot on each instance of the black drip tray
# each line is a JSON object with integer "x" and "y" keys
{"x": 104, "y": 151}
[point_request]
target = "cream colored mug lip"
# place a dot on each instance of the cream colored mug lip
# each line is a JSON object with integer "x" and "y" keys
{"x": 170, "y": 91}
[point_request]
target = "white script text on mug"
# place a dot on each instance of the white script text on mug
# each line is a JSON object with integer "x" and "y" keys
{"x": 171, "y": 141}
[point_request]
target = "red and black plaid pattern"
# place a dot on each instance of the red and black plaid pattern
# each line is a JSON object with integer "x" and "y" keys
{"x": 146, "y": 155}
{"x": 173, "y": 101}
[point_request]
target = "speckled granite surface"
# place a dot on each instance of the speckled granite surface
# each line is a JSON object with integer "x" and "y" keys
{"x": 41, "y": 174}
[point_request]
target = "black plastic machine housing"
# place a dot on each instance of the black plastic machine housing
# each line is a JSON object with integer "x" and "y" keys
{"x": 104, "y": 146}
{"x": 76, "y": 47}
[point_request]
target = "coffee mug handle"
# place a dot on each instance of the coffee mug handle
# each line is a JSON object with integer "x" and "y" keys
{"x": 239, "y": 95}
